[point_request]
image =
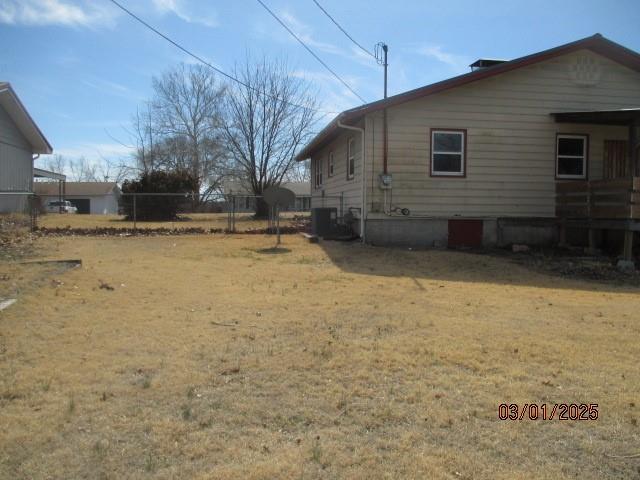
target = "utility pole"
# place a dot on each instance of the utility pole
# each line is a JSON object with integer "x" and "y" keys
{"x": 381, "y": 54}
{"x": 382, "y": 59}
{"x": 385, "y": 49}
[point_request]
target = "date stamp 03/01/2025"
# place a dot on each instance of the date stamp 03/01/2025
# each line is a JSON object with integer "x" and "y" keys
{"x": 543, "y": 411}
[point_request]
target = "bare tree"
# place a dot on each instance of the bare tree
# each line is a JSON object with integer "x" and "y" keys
{"x": 265, "y": 122}
{"x": 114, "y": 170}
{"x": 300, "y": 172}
{"x": 143, "y": 136}
{"x": 81, "y": 170}
{"x": 184, "y": 116}
{"x": 56, "y": 163}
{"x": 76, "y": 169}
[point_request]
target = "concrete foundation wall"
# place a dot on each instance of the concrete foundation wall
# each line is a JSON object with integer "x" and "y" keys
{"x": 429, "y": 232}
{"x": 418, "y": 232}
{"x": 527, "y": 231}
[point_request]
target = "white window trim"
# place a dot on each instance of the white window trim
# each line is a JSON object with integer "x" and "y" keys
{"x": 462, "y": 153}
{"x": 585, "y": 146}
{"x": 351, "y": 157}
{"x": 331, "y": 167}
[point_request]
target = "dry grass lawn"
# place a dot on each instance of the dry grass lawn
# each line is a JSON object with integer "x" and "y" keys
{"x": 244, "y": 221}
{"x": 213, "y": 358}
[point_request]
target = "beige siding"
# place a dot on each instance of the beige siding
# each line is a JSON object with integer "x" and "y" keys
{"x": 510, "y": 139}
{"x": 338, "y": 186}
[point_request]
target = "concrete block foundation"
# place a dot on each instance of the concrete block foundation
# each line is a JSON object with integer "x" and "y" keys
{"x": 430, "y": 232}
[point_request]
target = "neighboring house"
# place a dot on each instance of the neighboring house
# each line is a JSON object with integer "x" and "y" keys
{"x": 88, "y": 197}
{"x": 20, "y": 140}
{"x": 245, "y": 199}
{"x": 476, "y": 159}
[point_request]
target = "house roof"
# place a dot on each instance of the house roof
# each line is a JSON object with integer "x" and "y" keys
{"x": 621, "y": 117}
{"x": 596, "y": 43}
{"x": 88, "y": 189}
{"x": 18, "y": 113}
{"x": 236, "y": 187}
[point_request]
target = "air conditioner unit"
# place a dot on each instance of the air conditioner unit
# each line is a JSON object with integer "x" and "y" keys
{"x": 324, "y": 221}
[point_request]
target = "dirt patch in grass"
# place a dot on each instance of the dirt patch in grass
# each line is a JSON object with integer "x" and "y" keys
{"x": 209, "y": 359}
{"x": 568, "y": 264}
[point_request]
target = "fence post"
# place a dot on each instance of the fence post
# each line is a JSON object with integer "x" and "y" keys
{"x": 135, "y": 214}
{"x": 277, "y": 208}
{"x": 233, "y": 213}
{"x": 341, "y": 204}
{"x": 33, "y": 212}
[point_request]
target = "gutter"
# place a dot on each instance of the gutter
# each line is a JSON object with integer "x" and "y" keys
{"x": 363, "y": 197}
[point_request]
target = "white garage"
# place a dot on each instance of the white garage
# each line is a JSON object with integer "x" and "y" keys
{"x": 88, "y": 197}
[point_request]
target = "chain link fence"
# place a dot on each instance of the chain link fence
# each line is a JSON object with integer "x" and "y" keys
{"x": 19, "y": 204}
{"x": 147, "y": 212}
{"x": 154, "y": 212}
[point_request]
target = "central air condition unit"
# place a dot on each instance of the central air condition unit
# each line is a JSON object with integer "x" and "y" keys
{"x": 324, "y": 221}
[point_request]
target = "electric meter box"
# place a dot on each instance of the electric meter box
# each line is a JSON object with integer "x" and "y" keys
{"x": 385, "y": 181}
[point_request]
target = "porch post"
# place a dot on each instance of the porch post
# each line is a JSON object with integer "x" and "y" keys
{"x": 627, "y": 252}
{"x": 634, "y": 161}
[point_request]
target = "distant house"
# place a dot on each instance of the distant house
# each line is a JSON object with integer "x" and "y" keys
{"x": 20, "y": 140}
{"x": 493, "y": 156}
{"x": 88, "y": 197}
{"x": 245, "y": 199}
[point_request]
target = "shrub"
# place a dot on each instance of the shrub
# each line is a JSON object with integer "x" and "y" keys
{"x": 150, "y": 207}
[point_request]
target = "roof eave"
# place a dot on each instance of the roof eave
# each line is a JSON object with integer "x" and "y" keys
{"x": 31, "y": 131}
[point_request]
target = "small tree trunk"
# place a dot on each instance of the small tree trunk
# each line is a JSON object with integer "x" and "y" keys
{"x": 262, "y": 209}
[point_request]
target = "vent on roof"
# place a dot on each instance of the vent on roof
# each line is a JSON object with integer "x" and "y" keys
{"x": 485, "y": 63}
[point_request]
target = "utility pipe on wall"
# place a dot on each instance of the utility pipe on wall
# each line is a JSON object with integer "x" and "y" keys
{"x": 363, "y": 209}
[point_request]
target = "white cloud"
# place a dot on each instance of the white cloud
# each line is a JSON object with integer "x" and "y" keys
{"x": 334, "y": 95}
{"x": 112, "y": 88}
{"x": 94, "y": 150}
{"x": 186, "y": 12}
{"x": 457, "y": 62}
{"x": 305, "y": 32}
{"x": 54, "y": 12}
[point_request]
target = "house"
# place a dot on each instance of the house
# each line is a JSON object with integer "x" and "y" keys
{"x": 20, "y": 140}
{"x": 245, "y": 199}
{"x": 88, "y": 197}
{"x": 479, "y": 159}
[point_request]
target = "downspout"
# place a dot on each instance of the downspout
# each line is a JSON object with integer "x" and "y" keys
{"x": 363, "y": 209}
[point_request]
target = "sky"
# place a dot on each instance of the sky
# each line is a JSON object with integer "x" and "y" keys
{"x": 83, "y": 67}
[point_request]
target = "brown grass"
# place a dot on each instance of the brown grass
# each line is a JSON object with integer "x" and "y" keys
{"x": 244, "y": 221}
{"x": 215, "y": 357}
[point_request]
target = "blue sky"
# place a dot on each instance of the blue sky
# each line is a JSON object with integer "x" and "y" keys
{"x": 82, "y": 67}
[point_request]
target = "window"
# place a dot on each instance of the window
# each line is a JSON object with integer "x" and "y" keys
{"x": 448, "y": 153}
{"x": 318, "y": 173}
{"x": 351, "y": 160}
{"x": 331, "y": 164}
{"x": 571, "y": 156}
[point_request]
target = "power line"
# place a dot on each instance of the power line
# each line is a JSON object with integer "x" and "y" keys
{"x": 203, "y": 61}
{"x": 309, "y": 50}
{"x": 343, "y": 30}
